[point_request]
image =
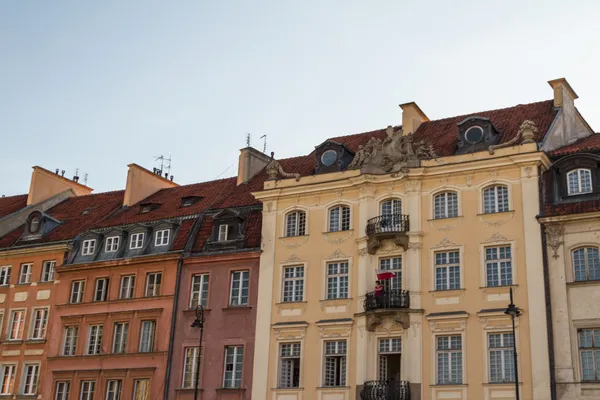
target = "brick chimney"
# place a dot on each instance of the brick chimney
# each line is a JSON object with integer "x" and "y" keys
{"x": 412, "y": 117}
{"x": 45, "y": 184}
{"x": 141, "y": 183}
{"x": 250, "y": 163}
{"x": 564, "y": 95}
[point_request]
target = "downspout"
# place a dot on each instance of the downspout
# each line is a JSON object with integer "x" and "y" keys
{"x": 186, "y": 252}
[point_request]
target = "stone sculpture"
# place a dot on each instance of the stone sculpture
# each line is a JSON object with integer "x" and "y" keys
{"x": 526, "y": 131}
{"x": 275, "y": 170}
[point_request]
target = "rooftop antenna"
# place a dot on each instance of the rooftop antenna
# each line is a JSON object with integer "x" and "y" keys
{"x": 85, "y": 178}
{"x": 163, "y": 159}
{"x": 264, "y": 143}
{"x": 247, "y": 139}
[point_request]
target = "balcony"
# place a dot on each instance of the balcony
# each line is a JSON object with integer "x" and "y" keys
{"x": 385, "y": 390}
{"x": 389, "y": 226}
{"x": 389, "y": 299}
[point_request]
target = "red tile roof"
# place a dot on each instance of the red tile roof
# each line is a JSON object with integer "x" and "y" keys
{"x": 571, "y": 208}
{"x": 9, "y": 205}
{"x": 590, "y": 143}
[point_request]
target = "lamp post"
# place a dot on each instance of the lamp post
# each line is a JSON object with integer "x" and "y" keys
{"x": 198, "y": 323}
{"x": 514, "y": 312}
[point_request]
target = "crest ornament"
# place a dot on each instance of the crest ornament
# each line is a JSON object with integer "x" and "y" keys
{"x": 276, "y": 172}
{"x": 555, "y": 235}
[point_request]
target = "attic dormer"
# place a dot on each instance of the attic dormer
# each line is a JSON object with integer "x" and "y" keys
{"x": 331, "y": 156}
{"x": 476, "y": 134}
{"x": 37, "y": 225}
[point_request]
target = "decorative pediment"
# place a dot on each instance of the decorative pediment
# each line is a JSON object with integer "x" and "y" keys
{"x": 227, "y": 213}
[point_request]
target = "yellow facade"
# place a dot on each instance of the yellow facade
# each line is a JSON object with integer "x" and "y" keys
{"x": 469, "y": 313}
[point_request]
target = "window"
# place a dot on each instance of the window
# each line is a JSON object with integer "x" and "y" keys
{"x": 449, "y": 360}
{"x": 189, "y": 367}
{"x": 127, "y": 288}
{"x": 112, "y": 244}
{"x": 391, "y": 207}
{"x": 238, "y": 293}
{"x": 391, "y": 216}
{"x": 113, "y": 389}
{"x": 232, "y": 376}
{"x": 88, "y": 248}
{"x": 62, "y": 390}
{"x": 579, "y": 181}
{"x": 339, "y": 219}
{"x": 120, "y": 333}
{"x": 34, "y": 224}
{"x": 293, "y": 283}
{"x": 39, "y": 323}
{"x": 447, "y": 270}
{"x": 223, "y": 231}
{"x": 335, "y": 363}
{"x": 289, "y": 365}
{"x": 199, "y": 293}
{"x": 498, "y": 266}
{"x": 390, "y": 351}
{"x": 162, "y": 238}
{"x": 95, "y": 339}
{"x": 153, "y": 284}
{"x": 393, "y": 264}
{"x": 136, "y": 241}
{"x": 337, "y": 280}
{"x": 586, "y": 264}
{"x": 495, "y": 199}
{"x": 25, "y": 273}
{"x": 1, "y": 320}
{"x": 445, "y": 205}
{"x": 141, "y": 389}
{"x": 30, "y": 378}
{"x": 87, "y": 390}
{"x": 589, "y": 354}
{"x": 9, "y": 372}
{"x": 501, "y": 357}
{"x": 48, "y": 271}
{"x": 5, "y": 275}
{"x": 101, "y": 289}
{"x": 295, "y": 223}
{"x": 77, "y": 291}
{"x": 147, "y": 336}
{"x": 71, "y": 334}
{"x": 17, "y": 323}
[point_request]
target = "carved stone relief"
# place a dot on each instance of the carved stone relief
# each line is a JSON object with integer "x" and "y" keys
{"x": 275, "y": 170}
{"x": 293, "y": 245}
{"x": 496, "y": 237}
{"x": 555, "y": 238}
{"x": 446, "y": 242}
{"x": 336, "y": 238}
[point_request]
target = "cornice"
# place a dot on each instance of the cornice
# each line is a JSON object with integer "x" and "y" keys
{"x": 570, "y": 217}
{"x": 15, "y": 252}
{"x": 117, "y": 263}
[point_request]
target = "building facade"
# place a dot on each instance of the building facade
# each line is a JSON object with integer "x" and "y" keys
{"x": 448, "y": 207}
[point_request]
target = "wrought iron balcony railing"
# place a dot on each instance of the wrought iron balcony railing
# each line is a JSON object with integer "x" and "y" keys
{"x": 385, "y": 390}
{"x": 388, "y": 224}
{"x": 388, "y": 299}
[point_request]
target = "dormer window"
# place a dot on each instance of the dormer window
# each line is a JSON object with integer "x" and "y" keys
{"x": 190, "y": 200}
{"x": 223, "y": 231}
{"x": 579, "y": 181}
{"x": 136, "y": 241}
{"x": 329, "y": 158}
{"x": 147, "y": 207}
{"x": 162, "y": 238}
{"x": 34, "y": 222}
{"x": 332, "y": 156}
{"x": 474, "y": 134}
{"x": 88, "y": 248}
{"x": 112, "y": 244}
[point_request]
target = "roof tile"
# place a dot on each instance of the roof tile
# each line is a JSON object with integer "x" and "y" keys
{"x": 590, "y": 143}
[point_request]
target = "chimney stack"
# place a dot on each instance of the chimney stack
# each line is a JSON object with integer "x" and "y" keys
{"x": 250, "y": 163}
{"x": 564, "y": 95}
{"x": 412, "y": 117}
{"x": 45, "y": 184}
{"x": 141, "y": 183}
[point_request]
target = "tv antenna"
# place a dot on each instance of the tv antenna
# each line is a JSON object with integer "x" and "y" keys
{"x": 164, "y": 160}
{"x": 264, "y": 143}
{"x": 247, "y": 139}
{"x": 85, "y": 179}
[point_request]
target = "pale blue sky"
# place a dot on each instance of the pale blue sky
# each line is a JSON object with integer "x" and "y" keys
{"x": 98, "y": 85}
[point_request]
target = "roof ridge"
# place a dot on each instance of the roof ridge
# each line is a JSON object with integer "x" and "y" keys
{"x": 489, "y": 111}
{"x": 14, "y": 195}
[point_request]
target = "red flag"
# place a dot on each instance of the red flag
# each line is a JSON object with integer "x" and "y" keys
{"x": 383, "y": 275}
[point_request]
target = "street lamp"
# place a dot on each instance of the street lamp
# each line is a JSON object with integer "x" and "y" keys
{"x": 514, "y": 312}
{"x": 198, "y": 323}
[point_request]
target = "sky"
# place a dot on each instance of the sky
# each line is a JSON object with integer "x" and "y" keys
{"x": 96, "y": 86}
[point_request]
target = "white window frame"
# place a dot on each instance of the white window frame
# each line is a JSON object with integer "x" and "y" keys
{"x": 387, "y": 346}
{"x": 12, "y": 375}
{"x": 295, "y": 223}
{"x": 87, "y": 390}
{"x": 295, "y": 280}
{"x": 594, "y": 349}
{"x": 114, "y": 388}
{"x": 136, "y": 241}
{"x": 5, "y": 275}
{"x": 69, "y": 344}
{"x": 504, "y": 358}
{"x": 579, "y": 172}
{"x": 200, "y": 286}
{"x": 112, "y": 244}
{"x": 103, "y": 291}
{"x": 337, "y": 278}
{"x": 25, "y": 273}
{"x": 499, "y": 261}
{"x": 445, "y": 210}
{"x": 162, "y": 237}
{"x": 141, "y": 384}
{"x": 79, "y": 294}
{"x": 153, "y": 289}
{"x": 88, "y": 247}
{"x": 497, "y": 206}
{"x": 127, "y": 285}
{"x": 20, "y": 321}
{"x": 235, "y": 382}
{"x": 223, "y": 233}
{"x": 586, "y": 249}
{"x": 237, "y": 299}
{"x": 1, "y": 321}
{"x": 340, "y": 374}
{"x": 120, "y": 337}
{"x": 447, "y": 267}
{"x": 397, "y": 282}
{"x": 293, "y": 356}
{"x": 339, "y": 224}
{"x": 147, "y": 336}
{"x": 48, "y": 268}
{"x": 190, "y": 363}
{"x": 39, "y": 323}
{"x": 95, "y": 336}
{"x": 62, "y": 390}
{"x": 452, "y": 352}
{"x": 30, "y": 382}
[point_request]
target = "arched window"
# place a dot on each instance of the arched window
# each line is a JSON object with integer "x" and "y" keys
{"x": 579, "y": 181}
{"x": 391, "y": 215}
{"x": 445, "y": 205}
{"x": 295, "y": 223}
{"x": 391, "y": 206}
{"x": 586, "y": 264}
{"x": 339, "y": 218}
{"x": 495, "y": 199}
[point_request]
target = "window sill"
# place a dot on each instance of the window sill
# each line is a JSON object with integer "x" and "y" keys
{"x": 333, "y": 387}
{"x": 193, "y": 310}
{"x": 292, "y": 237}
{"x": 584, "y": 283}
{"x": 446, "y": 385}
{"x": 184, "y": 390}
{"x": 13, "y": 341}
{"x": 23, "y": 284}
{"x": 445, "y": 219}
{"x": 230, "y": 389}
{"x": 287, "y": 389}
{"x": 105, "y": 355}
{"x": 496, "y": 213}
{"x": 341, "y": 231}
{"x": 447, "y": 292}
{"x": 35, "y": 341}
{"x": 500, "y": 287}
{"x": 240, "y": 308}
{"x": 501, "y": 384}
{"x": 167, "y": 296}
{"x": 292, "y": 303}
{"x": 45, "y": 283}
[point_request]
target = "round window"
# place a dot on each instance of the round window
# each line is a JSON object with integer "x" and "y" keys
{"x": 329, "y": 158}
{"x": 34, "y": 224}
{"x": 474, "y": 134}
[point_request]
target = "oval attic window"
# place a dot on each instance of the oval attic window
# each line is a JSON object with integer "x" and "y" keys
{"x": 34, "y": 224}
{"x": 474, "y": 134}
{"x": 329, "y": 158}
